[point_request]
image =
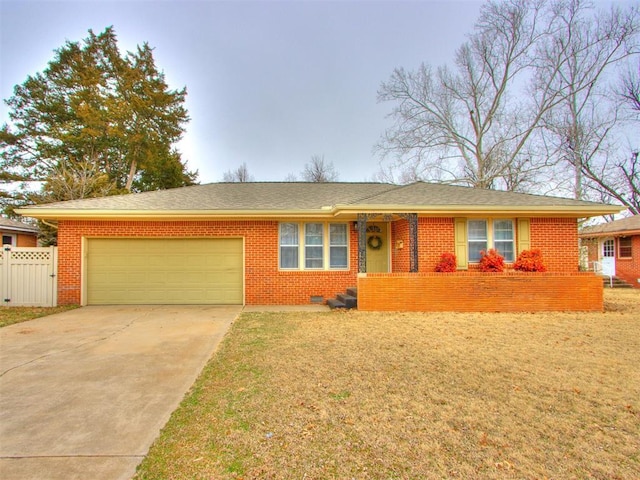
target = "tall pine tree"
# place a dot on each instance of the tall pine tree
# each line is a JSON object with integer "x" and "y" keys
{"x": 94, "y": 123}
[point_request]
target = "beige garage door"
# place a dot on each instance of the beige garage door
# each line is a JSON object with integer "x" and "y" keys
{"x": 164, "y": 271}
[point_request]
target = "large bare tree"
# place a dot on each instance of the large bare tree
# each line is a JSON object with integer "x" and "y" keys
{"x": 584, "y": 130}
{"x": 479, "y": 122}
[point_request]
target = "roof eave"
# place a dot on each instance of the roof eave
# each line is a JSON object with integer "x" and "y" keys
{"x": 466, "y": 210}
{"x": 72, "y": 214}
{"x": 324, "y": 212}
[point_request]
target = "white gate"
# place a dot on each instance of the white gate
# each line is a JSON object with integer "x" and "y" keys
{"x": 28, "y": 276}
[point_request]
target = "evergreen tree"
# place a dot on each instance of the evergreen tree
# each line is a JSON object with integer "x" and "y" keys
{"x": 94, "y": 123}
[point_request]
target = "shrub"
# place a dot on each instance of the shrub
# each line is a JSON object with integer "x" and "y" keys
{"x": 491, "y": 261}
{"x": 447, "y": 263}
{"x": 530, "y": 261}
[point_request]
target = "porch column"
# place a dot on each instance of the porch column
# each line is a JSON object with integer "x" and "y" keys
{"x": 413, "y": 244}
{"x": 362, "y": 242}
{"x": 412, "y": 218}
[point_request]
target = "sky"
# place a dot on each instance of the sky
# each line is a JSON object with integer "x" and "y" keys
{"x": 269, "y": 83}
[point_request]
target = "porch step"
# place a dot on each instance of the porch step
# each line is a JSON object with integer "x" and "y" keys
{"x": 615, "y": 283}
{"x": 347, "y": 300}
{"x": 335, "y": 303}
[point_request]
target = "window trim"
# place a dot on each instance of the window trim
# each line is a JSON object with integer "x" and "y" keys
{"x": 14, "y": 239}
{"x": 491, "y": 241}
{"x": 326, "y": 247}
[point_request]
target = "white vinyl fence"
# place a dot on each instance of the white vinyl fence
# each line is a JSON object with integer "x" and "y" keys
{"x": 28, "y": 276}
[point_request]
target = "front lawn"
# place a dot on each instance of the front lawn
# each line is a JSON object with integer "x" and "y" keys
{"x": 11, "y": 315}
{"x": 405, "y": 396}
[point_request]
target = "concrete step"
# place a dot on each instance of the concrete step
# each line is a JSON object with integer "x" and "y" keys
{"x": 349, "y": 300}
{"x": 353, "y": 291}
{"x": 335, "y": 303}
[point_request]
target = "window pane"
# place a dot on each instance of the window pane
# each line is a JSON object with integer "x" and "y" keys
{"x": 338, "y": 257}
{"x": 288, "y": 245}
{"x": 474, "y": 250}
{"x": 477, "y": 238}
{"x": 313, "y": 234}
{"x": 288, "y": 257}
{"x": 624, "y": 250}
{"x": 338, "y": 251}
{"x": 313, "y": 257}
{"x": 288, "y": 234}
{"x": 608, "y": 250}
{"x": 503, "y": 230}
{"x": 503, "y": 239}
{"x": 338, "y": 234}
{"x": 477, "y": 230}
{"x": 313, "y": 241}
{"x": 505, "y": 249}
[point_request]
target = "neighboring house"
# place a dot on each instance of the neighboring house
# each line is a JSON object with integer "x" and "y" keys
{"x": 18, "y": 234}
{"x": 300, "y": 243}
{"x": 614, "y": 248}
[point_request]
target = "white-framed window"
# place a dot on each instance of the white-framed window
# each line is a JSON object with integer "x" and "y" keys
{"x": 338, "y": 245}
{"x": 483, "y": 234}
{"x": 478, "y": 239}
{"x": 313, "y": 245}
{"x": 289, "y": 242}
{"x": 325, "y": 246}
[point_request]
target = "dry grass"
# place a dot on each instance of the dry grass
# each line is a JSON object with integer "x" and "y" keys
{"x": 385, "y": 396}
{"x": 11, "y": 315}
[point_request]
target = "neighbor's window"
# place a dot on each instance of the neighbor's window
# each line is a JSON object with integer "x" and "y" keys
{"x": 477, "y": 239}
{"x": 313, "y": 245}
{"x": 503, "y": 239}
{"x": 483, "y": 235}
{"x": 7, "y": 240}
{"x": 624, "y": 247}
{"x": 338, "y": 251}
{"x": 289, "y": 245}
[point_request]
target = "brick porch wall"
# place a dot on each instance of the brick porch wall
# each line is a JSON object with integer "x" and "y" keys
{"x": 264, "y": 283}
{"x": 480, "y": 292}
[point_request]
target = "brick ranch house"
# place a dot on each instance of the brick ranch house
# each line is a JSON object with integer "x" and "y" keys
{"x": 614, "y": 248}
{"x": 18, "y": 234}
{"x": 300, "y": 243}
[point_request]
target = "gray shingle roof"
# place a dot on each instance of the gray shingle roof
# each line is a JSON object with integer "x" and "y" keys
{"x": 629, "y": 224}
{"x": 261, "y": 197}
{"x": 14, "y": 225}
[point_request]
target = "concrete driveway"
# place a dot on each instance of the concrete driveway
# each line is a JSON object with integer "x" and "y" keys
{"x": 84, "y": 393}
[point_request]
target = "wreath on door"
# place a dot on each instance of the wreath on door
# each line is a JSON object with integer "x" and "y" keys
{"x": 374, "y": 242}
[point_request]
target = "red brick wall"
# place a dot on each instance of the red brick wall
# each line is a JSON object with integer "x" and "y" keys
{"x": 264, "y": 283}
{"x": 480, "y": 292}
{"x": 628, "y": 269}
{"x": 25, "y": 240}
{"x": 435, "y": 237}
{"x": 557, "y": 238}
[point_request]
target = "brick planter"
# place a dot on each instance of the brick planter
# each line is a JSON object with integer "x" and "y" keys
{"x": 480, "y": 292}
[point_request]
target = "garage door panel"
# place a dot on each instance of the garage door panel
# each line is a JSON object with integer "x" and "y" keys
{"x": 164, "y": 271}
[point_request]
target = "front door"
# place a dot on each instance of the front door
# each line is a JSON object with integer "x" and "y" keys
{"x": 377, "y": 248}
{"x": 608, "y": 257}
